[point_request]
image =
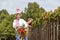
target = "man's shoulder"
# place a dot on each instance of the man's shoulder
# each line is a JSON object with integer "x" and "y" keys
{"x": 19, "y": 19}
{"x": 14, "y": 20}
{"x": 22, "y": 19}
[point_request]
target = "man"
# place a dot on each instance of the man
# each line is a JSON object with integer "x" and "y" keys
{"x": 17, "y": 23}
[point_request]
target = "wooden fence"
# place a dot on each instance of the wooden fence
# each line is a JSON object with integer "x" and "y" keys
{"x": 47, "y": 31}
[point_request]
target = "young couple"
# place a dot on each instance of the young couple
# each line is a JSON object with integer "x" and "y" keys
{"x": 19, "y": 22}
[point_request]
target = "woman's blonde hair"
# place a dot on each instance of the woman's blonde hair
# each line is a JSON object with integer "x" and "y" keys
{"x": 30, "y": 19}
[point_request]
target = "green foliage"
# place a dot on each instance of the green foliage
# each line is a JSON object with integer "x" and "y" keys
{"x": 47, "y": 17}
{"x": 6, "y": 24}
{"x": 33, "y": 10}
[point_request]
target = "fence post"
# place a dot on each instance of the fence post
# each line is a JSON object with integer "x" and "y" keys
{"x": 0, "y": 38}
{"x": 57, "y": 28}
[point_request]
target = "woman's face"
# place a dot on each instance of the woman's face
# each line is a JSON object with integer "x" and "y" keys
{"x": 30, "y": 21}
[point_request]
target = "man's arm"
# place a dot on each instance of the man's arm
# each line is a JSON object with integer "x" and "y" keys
{"x": 14, "y": 24}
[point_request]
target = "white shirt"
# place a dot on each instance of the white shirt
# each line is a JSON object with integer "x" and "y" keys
{"x": 21, "y": 23}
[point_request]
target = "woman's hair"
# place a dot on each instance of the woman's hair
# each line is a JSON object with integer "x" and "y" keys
{"x": 29, "y": 20}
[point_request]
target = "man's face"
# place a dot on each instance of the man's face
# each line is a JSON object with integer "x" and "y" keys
{"x": 18, "y": 16}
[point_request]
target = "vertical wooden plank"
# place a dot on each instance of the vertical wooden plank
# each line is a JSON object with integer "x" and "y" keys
{"x": 57, "y": 28}
{"x": 50, "y": 33}
{"x": 54, "y": 31}
{"x": 0, "y": 38}
{"x": 49, "y": 27}
{"x": 47, "y": 32}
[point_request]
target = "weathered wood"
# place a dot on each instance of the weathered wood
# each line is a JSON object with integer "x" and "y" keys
{"x": 47, "y": 31}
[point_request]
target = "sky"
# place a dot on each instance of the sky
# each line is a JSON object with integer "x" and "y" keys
{"x": 11, "y": 5}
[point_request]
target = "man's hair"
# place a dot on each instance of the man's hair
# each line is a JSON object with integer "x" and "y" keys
{"x": 18, "y": 14}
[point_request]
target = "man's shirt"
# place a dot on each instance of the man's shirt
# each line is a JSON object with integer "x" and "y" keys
{"x": 20, "y": 23}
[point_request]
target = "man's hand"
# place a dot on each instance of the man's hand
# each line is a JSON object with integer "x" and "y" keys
{"x": 18, "y": 27}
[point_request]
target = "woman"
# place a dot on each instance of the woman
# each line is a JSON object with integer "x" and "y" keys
{"x": 29, "y": 22}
